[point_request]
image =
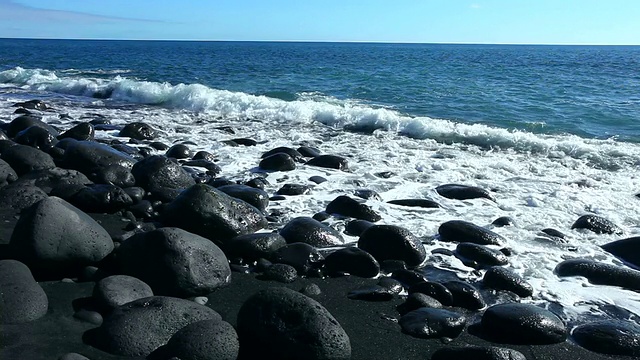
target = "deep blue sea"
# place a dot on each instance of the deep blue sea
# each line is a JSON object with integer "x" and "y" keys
{"x": 590, "y": 91}
{"x": 553, "y": 132}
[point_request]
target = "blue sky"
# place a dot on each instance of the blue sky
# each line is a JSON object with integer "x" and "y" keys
{"x": 432, "y": 21}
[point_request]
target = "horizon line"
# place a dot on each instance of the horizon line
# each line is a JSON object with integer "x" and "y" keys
{"x": 323, "y": 41}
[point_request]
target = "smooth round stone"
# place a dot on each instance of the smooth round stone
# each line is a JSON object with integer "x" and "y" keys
{"x": 465, "y": 295}
{"x": 407, "y": 277}
{"x": 346, "y": 206}
{"x": 138, "y": 131}
{"x": 435, "y": 290}
{"x": 310, "y": 231}
{"x": 317, "y": 179}
{"x": 597, "y": 224}
{"x": 294, "y": 189}
{"x": 114, "y": 175}
{"x": 23, "y": 159}
{"x": 501, "y": 278}
{"x": 22, "y": 299}
{"x": 301, "y": 256}
{"x": 295, "y": 155}
{"x": 523, "y": 324}
{"x": 421, "y": 203}
{"x": 311, "y": 290}
{"x": 7, "y": 174}
{"x": 83, "y": 131}
{"x": 329, "y": 161}
{"x": 117, "y": 290}
{"x": 202, "y": 300}
{"x": 503, "y": 221}
{"x": 353, "y": 261}
{"x": 278, "y": 162}
{"x": 613, "y": 337}
{"x": 390, "y": 242}
{"x": 179, "y": 151}
{"x": 431, "y": 323}
{"x": 160, "y": 172}
{"x": 279, "y": 323}
{"x": 308, "y": 151}
{"x": 481, "y": 255}
{"x": 281, "y": 272}
{"x": 416, "y": 301}
{"x": 464, "y": 231}
{"x": 600, "y": 273}
{"x": 357, "y": 227}
{"x": 205, "y": 340}
{"x": 257, "y": 198}
{"x": 477, "y": 353}
{"x": 627, "y": 250}
{"x": 91, "y": 317}
{"x": 463, "y": 192}
{"x": 251, "y": 247}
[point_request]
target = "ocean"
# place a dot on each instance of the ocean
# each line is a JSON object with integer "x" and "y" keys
{"x": 552, "y": 131}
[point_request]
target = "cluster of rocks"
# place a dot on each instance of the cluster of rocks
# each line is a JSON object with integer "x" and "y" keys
{"x": 189, "y": 229}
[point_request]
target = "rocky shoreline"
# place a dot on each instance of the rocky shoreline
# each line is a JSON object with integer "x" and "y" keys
{"x": 129, "y": 250}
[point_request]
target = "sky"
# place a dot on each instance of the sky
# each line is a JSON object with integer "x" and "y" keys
{"x": 606, "y": 22}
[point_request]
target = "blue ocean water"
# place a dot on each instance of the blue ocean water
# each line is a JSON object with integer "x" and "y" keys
{"x": 589, "y": 91}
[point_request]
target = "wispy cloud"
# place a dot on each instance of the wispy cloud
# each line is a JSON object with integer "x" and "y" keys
{"x": 475, "y": 6}
{"x": 13, "y": 10}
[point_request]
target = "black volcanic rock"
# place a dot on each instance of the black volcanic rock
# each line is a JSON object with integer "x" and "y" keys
{"x": 140, "y": 327}
{"x": 116, "y": 290}
{"x": 303, "y": 257}
{"x": 85, "y": 156}
{"x": 36, "y": 137}
{"x": 435, "y": 290}
{"x": 465, "y": 295}
{"x": 481, "y": 255}
{"x": 25, "y": 121}
{"x": 416, "y": 301}
{"x": 354, "y": 261}
{"x": 600, "y": 273}
{"x": 258, "y": 198}
{"x": 329, "y": 161}
{"x": 179, "y": 151}
{"x": 83, "y": 131}
{"x": 278, "y": 162}
{"x": 422, "y": 203}
{"x": 23, "y": 159}
{"x": 138, "y": 131}
{"x": 310, "y": 231}
{"x": 7, "y": 174}
{"x": 430, "y": 323}
{"x": 500, "y": 278}
{"x": 205, "y": 340}
{"x": 174, "y": 262}
{"x": 463, "y": 192}
{"x": 612, "y": 337}
{"x": 18, "y": 197}
{"x": 627, "y": 250}
{"x": 523, "y": 324}
{"x": 206, "y": 211}
{"x": 100, "y": 198}
{"x": 295, "y": 155}
{"x": 279, "y": 323}
{"x": 114, "y": 175}
{"x": 21, "y": 297}
{"x": 346, "y": 206}
{"x": 252, "y": 247}
{"x": 464, "y": 231}
{"x": 293, "y": 189}
{"x": 160, "y": 172}
{"x": 390, "y": 242}
{"x": 597, "y": 224}
{"x": 477, "y": 353}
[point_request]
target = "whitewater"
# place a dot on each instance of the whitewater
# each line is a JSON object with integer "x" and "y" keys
{"x": 539, "y": 180}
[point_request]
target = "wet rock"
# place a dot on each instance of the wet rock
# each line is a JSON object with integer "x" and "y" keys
{"x": 308, "y": 151}
{"x": 7, "y": 174}
{"x": 317, "y": 179}
{"x": 310, "y": 231}
{"x": 357, "y": 227}
{"x": 503, "y": 221}
{"x": 179, "y": 151}
{"x": 554, "y": 233}
{"x": 21, "y": 297}
{"x": 256, "y": 197}
{"x": 278, "y": 162}
{"x": 464, "y": 231}
{"x": 140, "y": 327}
{"x": 25, "y": 121}
{"x": 523, "y": 324}
{"x": 204, "y": 155}
{"x": 386, "y": 242}
{"x": 281, "y": 272}
{"x": 114, "y": 175}
{"x": 346, "y": 206}
{"x": 49, "y": 179}
{"x": 18, "y": 197}
{"x": 33, "y": 104}
{"x": 245, "y": 141}
{"x": 53, "y": 235}
{"x": 431, "y": 323}
{"x": 303, "y": 257}
{"x": 407, "y": 277}
{"x": 501, "y": 278}
{"x": 367, "y": 194}
{"x": 23, "y": 158}
{"x": 600, "y": 273}
{"x": 463, "y": 192}
{"x": 85, "y": 156}
{"x": 83, "y": 131}
{"x": 212, "y": 169}
{"x": 138, "y": 131}
{"x": 627, "y": 250}
{"x": 329, "y": 161}
{"x": 416, "y": 301}
{"x": 280, "y": 323}
{"x": 294, "y": 189}
{"x": 258, "y": 183}
{"x": 295, "y": 155}
{"x": 208, "y": 212}
{"x": 393, "y": 285}
{"x": 597, "y": 224}
{"x": 174, "y": 262}
{"x": 477, "y": 353}
{"x": 113, "y": 291}
{"x": 353, "y": 261}
{"x": 101, "y": 198}
{"x": 160, "y": 172}
{"x": 481, "y": 255}
{"x": 422, "y": 203}
{"x": 435, "y": 290}
{"x": 465, "y": 295}
{"x": 613, "y": 337}
{"x": 205, "y": 340}
{"x": 36, "y": 137}
{"x": 252, "y": 247}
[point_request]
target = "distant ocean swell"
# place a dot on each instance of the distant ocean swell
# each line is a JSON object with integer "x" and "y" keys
{"x": 308, "y": 107}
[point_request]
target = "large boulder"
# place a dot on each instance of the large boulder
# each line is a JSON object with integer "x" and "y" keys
{"x": 627, "y": 250}
{"x": 53, "y": 235}
{"x": 21, "y": 297}
{"x": 23, "y": 159}
{"x": 174, "y": 262}
{"x": 208, "y": 212}
{"x": 205, "y": 340}
{"x": 464, "y": 231}
{"x": 307, "y": 230}
{"x": 279, "y": 323}
{"x": 25, "y": 121}
{"x": 18, "y": 197}
{"x": 159, "y": 171}
{"x": 85, "y": 156}
{"x": 390, "y": 242}
{"x": 49, "y": 179}
{"x": 524, "y": 324}
{"x": 36, "y": 137}
{"x": 101, "y": 198}
{"x": 140, "y": 327}
{"x": 612, "y": 337}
